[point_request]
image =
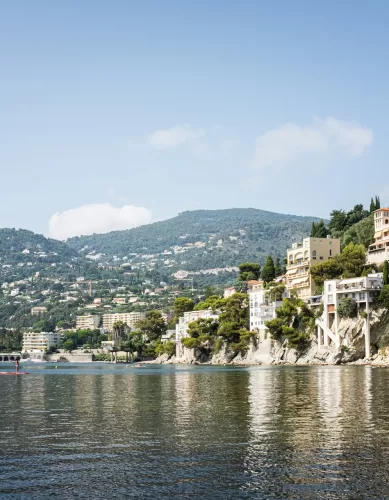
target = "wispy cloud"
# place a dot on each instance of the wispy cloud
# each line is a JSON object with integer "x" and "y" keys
{"x": 96, "y": 218}
{"x": 174, "y": 137}
{"x": 291, "y": 141}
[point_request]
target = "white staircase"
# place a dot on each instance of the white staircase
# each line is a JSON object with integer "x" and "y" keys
{"x": 327, "y": 331}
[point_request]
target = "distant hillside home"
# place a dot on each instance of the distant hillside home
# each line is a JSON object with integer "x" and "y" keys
{"x": 38, "y": 310}
{"x": 302, "y": 256}
{"x": 378, "y": 251}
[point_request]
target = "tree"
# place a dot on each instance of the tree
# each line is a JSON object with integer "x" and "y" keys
{"x": 249, "y": 271}
{"x": 279, "y": 268}
{"x": 347, "y": 308}
{"x": 68, "y": 345}
{"x": 203, "y": 327}
{"x": 377, "y": 202}
{"x": 328, "y": 270}
{"x": 276, "y": 292}
{"x": 235, "y": 317}
{"x": 182, "y": 305}
{"x": 213, "y": 302}
{"x": 153, "y": 326}
{"x": 372, "y": 205}
{"x": 338, "y": 220}
{"x": 352, "y": 260}
{"x": 119, "y": 331}
{"x": 268, "y": 271}
{"x": 319, "y": 230}
{"x": 385, "y": 273}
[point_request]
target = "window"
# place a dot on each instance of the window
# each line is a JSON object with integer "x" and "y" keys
{"x": 330, "y": 287}
{"x": 362, "y": 296}
{"x": 314, "y": 254}
{"x": 330, "y": 299}
{"x": 330, "y": 252}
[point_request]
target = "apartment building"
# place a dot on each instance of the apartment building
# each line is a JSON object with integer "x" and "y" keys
{"x": 302, "y": 256}
{"x": 129, "y": 318}
{"x": 362, "y": 290}
{"x": 378, "y": 251}
{"x": 89, "y": 322}
{"x": 262, "y": 309}
{"x": 183, "y": 322}
{"x": 42, "y": 341}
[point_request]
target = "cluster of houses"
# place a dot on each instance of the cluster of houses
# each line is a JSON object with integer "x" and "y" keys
{"x": 298, "y": 281}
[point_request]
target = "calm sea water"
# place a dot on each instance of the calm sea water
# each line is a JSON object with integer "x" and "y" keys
{"x": 105, "y": 431}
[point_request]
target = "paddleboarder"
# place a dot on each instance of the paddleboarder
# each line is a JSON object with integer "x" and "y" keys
{"x": 16, "y": 365}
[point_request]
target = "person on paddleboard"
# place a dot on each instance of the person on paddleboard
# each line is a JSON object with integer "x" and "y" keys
{"x": 16, "y": 365}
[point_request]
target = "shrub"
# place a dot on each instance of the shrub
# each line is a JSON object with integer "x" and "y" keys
{"x": 217, "y": 345}
{"x": 347, "y": 308}
{"x": 383, "y": 298}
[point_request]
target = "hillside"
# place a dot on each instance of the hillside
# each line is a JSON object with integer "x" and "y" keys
{"x": 199, "y": 240}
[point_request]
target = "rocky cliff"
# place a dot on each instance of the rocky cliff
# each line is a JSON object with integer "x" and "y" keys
{"x": 272, "y": 352}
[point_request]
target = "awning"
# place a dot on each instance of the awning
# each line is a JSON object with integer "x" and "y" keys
{"x": 298, "y": 281}
{"x": 291, "y": 271}
{"x": 378, "y": 234}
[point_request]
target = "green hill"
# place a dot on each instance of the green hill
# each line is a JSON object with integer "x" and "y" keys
{"x": 201, "y": 239}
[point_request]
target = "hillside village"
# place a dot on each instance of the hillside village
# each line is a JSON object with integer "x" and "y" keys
{"x": 124, "y": 309}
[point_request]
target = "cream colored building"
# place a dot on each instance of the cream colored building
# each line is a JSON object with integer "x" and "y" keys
{"x": 38, "y": 310}
{"x": 42, "y": 341}
{"x": 302, "y": 256}
{"x": 262, "y": 309}
{"x": 89, "y": 322}
{"x": 129, "y": 318}
{"x": 379, "y": 250}
{"x": 183, "y": 323}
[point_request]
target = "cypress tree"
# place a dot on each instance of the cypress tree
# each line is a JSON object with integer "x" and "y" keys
{"x": 372, "y": 205}
{"x": 385, "y": 273}
{"x": 268, "y": 270}
{"x": 377, "y": 202}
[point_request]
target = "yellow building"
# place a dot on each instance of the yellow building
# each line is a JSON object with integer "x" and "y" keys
{"x": 379, "y": 250}
{"x": 131, "y": 319}
{"x": 302, "y": 256}
{"x": 87, "y": 322}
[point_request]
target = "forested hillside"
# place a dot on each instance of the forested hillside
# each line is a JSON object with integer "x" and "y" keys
{"x": 202, "y": 239}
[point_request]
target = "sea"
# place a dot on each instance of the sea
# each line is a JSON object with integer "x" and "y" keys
{"x": 105, "y": 431}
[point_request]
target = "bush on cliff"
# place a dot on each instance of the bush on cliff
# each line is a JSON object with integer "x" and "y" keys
{"x": 347, "y": 308}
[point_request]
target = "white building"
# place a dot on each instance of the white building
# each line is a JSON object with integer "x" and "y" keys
{"x": 379, "y": 250}
{"x": 131, "y": 319}
{"x": 42, "y": 341}
{"x": 262, "y": 309}
{"x": 87, "y": 322}
{"x": 183, "y": 322}
{"x": 169, "y": 335}
{"x": 228, "y": 292}
{"x": 38, "y": 310}
{"x": 362, "y": 290}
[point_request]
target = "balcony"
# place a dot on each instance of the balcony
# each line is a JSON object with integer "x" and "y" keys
{"x": 297, "y": 263}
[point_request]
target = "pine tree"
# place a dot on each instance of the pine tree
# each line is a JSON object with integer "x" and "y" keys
{"x": 385, "y": 273}
{"x": 377, "y": 202}
{"x": 268, "y": 271}
{"x": 372, "y": 205}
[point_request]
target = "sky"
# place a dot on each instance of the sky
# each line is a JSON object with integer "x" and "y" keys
{"x": 122, "y": 112}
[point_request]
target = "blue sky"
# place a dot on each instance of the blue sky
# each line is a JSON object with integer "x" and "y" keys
{"x": 115, "y": 113}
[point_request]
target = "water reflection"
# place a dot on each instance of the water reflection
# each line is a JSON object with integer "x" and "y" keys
{"x": 267, "y": 432}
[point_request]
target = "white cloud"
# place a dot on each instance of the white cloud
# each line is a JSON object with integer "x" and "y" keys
{"x": 290, "y": 141}
{"x": 173, "y": 137}
{"x": 96, "y": 218}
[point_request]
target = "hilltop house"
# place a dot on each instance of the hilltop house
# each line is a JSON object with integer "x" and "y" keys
{"x": 302, "y": 256}
{"x": 378, "y": 251}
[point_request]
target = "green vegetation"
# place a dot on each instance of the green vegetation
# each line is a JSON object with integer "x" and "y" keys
{"x": 269, "y": 271}
{"x": 249, "y": 271}
{"x": 347, "y": 308}
{"x": 231, "y": 326}
{"x": 350, "y": 263}
{"x": 319, "y": 230}
{"x": 294, "y": 323}
{"x": 182, "y": 305}
{"x": 385, "y": 273}
{"x": 152, "y": 327}
{"x": 383, "y": 298}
